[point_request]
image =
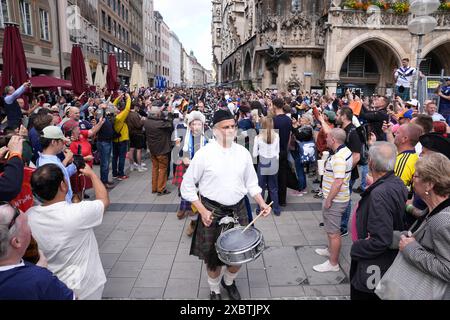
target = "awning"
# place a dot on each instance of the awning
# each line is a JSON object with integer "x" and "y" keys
{"x": 49, "y": 82}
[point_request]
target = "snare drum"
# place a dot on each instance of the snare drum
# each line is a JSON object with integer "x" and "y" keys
{"x": 236, "y": 248}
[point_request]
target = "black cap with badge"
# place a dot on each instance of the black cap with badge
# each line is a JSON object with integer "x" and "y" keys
{"x": 221, "y": 115}
{"x": 436, "y": 142}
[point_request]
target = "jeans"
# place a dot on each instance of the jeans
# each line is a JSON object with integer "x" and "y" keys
{"x": 269, "y": 182}
{"x": 282, "y": 177}
{"x": 364, "y": 173}
{"x": 346, "y": 215}
{"x": 104, "y": 149}
{"x": 119, "y": 153}
{"x": 300, "y": 170}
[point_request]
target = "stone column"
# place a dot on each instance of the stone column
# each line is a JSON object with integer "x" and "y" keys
{"x": 331, "y": 84}
{"x": 308, "y": 67}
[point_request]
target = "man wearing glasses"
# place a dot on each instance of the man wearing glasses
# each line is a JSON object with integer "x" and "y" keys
{"x": 20, "y": 280}
{"x": 224, "y": 173}
{"x": 53, "y": 142}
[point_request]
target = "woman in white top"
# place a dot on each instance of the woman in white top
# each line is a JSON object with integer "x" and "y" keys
{"x": 267, "y": 148}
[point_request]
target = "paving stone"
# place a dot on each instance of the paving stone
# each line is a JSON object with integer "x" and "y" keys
{"x": 323, "y": 290}
{"x": 113, "y": 246}
{"x": 287, "y": 291}
{"x": 258, "y": 278}
{"x": 158, "y": 261}
{"x": 344, "y": 289}
{"x": 142, "y": 240}
{"x": 259, "y": 292}
{"x": 147, "y": 293}
{"x": 181, "y": 289}
{"x": 118, "y": 287}
{"x": 126, "y": 269}
{"x": 119, "y": 234}
{"x": 154, "y": 278}
{"x": 164, "y": 248}
{"x": 283, "y": 267}
{"x": 134, "y": 254}
{"x": 185, "y": 270}
{"x": 256, "y": 264}
{"x": 109, "y": 259}
{"x": 309, "y": 258}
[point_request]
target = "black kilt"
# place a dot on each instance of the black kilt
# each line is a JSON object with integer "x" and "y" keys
{"x": 204, "y": 238}
{"x": 137, "y": 141}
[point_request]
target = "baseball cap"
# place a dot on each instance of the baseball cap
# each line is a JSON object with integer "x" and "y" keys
{"x": 330, "y": 114}
{"x": 53, "y": 132}
{"x": 413, "y": 102}
{"x": 407, "y": 114}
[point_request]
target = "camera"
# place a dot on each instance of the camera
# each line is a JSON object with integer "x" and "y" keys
{"x": 78, "y": 159}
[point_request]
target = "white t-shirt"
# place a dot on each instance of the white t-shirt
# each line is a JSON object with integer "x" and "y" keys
{"x": 268, "y": 151}
{"x": 65, "y": 233}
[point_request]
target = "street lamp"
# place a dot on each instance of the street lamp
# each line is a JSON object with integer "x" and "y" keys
{"x": 421, "y": 25}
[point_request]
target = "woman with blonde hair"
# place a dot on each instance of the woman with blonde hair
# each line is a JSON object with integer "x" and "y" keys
{"x": 428, "y": 249}
{"x": 267, "y": 148}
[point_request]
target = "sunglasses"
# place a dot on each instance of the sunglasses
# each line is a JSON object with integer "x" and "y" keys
{"x": 16, "y": 213}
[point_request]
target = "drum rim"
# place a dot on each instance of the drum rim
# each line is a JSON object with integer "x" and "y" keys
{"x": 249, "y": 247}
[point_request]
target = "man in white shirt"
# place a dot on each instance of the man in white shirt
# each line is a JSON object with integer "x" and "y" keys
{"x": 224, "y": 173}
{"x": 431, "y": 110}
{"x": 403, "y": 77}
{"x": 65, "y": 231}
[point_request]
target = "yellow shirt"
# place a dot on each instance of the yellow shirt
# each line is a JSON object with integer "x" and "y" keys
{"x": 405, "y": 166}
{"x": 119, "y": 124}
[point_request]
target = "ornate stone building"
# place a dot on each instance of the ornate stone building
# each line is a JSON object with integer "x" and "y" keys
{"x": 301, "y": 44}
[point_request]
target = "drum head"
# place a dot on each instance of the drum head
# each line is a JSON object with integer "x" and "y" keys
{"x": 235, "y": 240}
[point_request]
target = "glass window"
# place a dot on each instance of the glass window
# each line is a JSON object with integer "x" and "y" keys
{"x": 45, "y": 33}
{"x": 4, "y": 16}
{"x": 103, "y": 19}
{"x": 25, "y": 17}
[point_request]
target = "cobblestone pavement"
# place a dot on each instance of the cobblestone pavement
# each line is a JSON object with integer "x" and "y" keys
{"x": 145, "y": 251}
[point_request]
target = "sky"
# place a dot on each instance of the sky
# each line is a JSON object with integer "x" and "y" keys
{"x": 191, "y": 22}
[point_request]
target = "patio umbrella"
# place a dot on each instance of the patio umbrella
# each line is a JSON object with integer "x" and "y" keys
{"x": 99, "y": 78}
{"x": 88, "y": 72}
{"x": 105, "y": 68}
{"x": 14, "y": 62}
{"x": 49, "y": 82}
{"x": 111, "y": 75}
{"x": 135, "y": 76}
{"x": 78, "y": 69}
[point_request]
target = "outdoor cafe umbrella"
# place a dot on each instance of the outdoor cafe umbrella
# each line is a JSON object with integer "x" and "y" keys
{"x": 88, "y": 72}
{"x": 78, "y": 70}
{"x": 111, "y": 74}
{"x": 99, "y": 78}
{"x": 14, "y": 62}
{"x": 44, "y": 81}
{"x": 135, "y": 78}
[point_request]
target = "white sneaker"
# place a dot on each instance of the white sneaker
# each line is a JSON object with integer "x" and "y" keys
{"x": 141, "y": 169}
{"x": 322, "y": 252}
{"x": 133, "y": 167}
{"x": 143, "y": 164}
{"x": 326, "y": 267}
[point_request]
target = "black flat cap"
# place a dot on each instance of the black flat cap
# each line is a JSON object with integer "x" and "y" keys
{"x": 436, "y": 142}
{"x": 221, "y": 115}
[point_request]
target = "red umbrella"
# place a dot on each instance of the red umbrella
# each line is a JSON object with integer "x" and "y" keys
{"x": 49, "y": 82}
{"x": 14, "y": 61}
{"x": 111, "y": 75}
{"x": 78, "y": 70}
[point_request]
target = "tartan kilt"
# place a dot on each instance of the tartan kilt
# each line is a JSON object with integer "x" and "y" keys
{"x": 204, "y": 239}
{"x": 178, "y": 176}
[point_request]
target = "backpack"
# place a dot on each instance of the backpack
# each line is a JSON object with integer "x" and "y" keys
{"x": 362, "y": 134}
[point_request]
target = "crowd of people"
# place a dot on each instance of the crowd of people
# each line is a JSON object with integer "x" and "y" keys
{"x": 221, "y": 146}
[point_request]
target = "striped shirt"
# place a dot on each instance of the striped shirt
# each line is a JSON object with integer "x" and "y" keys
{"x": 405, "y": 166}
{"x": 338, "y": 166}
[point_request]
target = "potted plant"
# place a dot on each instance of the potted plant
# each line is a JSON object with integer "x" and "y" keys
{"x": 400, "y": 7}
{"x": 445, "y": 5}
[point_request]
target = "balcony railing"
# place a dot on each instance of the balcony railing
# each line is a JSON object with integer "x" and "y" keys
{"x": 349, "y": 18}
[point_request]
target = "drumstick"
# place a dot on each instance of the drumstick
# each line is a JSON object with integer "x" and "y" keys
{"x": 259, "y": 215}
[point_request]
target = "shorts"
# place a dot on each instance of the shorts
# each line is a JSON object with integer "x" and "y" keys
{"x": 137, "y": 141}
{"x": 332, "y": 216}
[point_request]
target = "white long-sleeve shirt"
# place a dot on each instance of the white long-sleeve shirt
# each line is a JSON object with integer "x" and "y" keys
{"x": 224, "y": 175}
{"x": 268, "y": 151}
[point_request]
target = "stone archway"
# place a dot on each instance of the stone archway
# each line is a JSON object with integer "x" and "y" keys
{"x": 436, "y": 56}
{"x": 369, "y": 66}
{"x": 247, "y": 67}
{"x": 235, "y": 74}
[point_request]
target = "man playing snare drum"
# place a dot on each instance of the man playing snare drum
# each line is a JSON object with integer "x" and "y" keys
{"x": 224, "y": 173}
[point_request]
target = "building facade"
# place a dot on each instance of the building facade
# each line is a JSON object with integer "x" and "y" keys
{"x": 165, "y": 54}
{"x": 115, "y": 35}
{"x": 38, "y": 24}
{"x": 148, "y": 27}
{"x": 137, "y": 32}
{"x": 295, "y": 44}
{"x": 175, "y": 60}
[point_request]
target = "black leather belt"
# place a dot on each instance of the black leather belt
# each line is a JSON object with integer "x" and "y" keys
{"x": 220, "y": 210}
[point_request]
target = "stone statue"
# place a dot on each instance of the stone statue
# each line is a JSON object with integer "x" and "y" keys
{"x": 273, "y": 58}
